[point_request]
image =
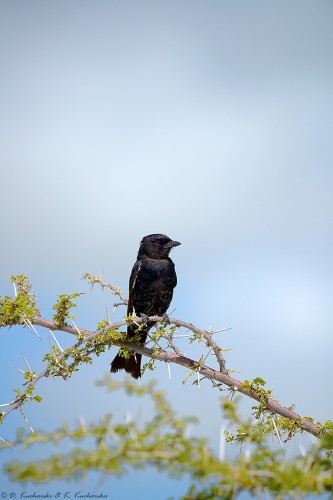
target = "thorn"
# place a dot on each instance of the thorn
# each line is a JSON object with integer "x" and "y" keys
{"x": 6, "y": 404}
{"x": 54, "y": 337}
{"x": 277, "y": 432}
{"x": 82, "y": 421}
{"x": 28, "y": 424}
{"x": 15, "y": 290}
{"x": 26, "y": 362}
{"x": 7, "y": 443}
{"x": 52, "y": 351}
{"x": 31, "y": 327}
{"x": 198, "y": 377}
{"x": 128, "y": 418}
{"x": 169, "y": 371}
{"x": 107, "y": 314}
{"x": 247, "y": 452}
{"x": 208, "y": 353}
{"x": 19, "y": 369}
{"x": 222, "y": 444}
{"x": 131, "y": 428}
{"x": 76, "y": 328}
{"x": 302, "y": 449}
{"x": 242, "y": 445}
{"x": 221, "y": 330}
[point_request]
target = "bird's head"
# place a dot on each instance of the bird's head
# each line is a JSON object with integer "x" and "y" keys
{"x": 156, "y": 246}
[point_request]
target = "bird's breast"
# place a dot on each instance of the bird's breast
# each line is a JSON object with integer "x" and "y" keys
{"x": 151, "y": 273}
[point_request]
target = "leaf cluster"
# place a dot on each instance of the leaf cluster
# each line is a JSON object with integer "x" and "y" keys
{"x": 63, "y": 306}
{"x": 23, "y": 306}
{"x": 162, "y": 441}
{"x": 65, "y": 363}
{"x": 273, "y": 423}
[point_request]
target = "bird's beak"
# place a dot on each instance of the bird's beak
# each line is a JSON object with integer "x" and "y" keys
{"x": 172, "y": 244}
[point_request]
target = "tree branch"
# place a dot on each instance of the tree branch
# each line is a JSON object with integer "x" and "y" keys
{"x": 221, "y": 376}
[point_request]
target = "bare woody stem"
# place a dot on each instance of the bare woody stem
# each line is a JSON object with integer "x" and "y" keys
{"x": 173, "y": 357}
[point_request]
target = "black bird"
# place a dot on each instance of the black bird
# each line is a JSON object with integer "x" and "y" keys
{"x": 151, "y": 285}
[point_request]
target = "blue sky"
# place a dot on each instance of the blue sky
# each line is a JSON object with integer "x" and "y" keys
{"x": 210, "y": 122}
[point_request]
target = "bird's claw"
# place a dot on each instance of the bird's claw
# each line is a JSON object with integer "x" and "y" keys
{"x": 166, "y": 319}
{"x": 144, "y": 317}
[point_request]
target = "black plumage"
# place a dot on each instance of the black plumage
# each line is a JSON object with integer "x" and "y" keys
{"x": 151, "y": 285}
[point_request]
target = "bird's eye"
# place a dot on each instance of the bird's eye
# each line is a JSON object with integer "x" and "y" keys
{"x": 157, "y": 242}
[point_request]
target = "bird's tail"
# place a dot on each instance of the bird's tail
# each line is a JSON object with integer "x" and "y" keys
{"x": 131, "y": 365}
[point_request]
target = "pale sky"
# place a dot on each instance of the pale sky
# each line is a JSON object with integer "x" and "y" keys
{"x": 210, "y": 122}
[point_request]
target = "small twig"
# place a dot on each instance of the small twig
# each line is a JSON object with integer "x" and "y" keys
{"x": 97, "y": 280}
{"x": 153, "y": 340}
{"x": 172, "y": 344}
{"x": 207, "y": 336}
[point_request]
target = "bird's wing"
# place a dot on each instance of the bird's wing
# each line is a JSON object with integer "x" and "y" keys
{"x": 132, "y": 283}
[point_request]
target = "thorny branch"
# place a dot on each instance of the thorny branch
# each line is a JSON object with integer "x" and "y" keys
{"x": 93, "y": 280}
{"x": 176, "y": 357}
